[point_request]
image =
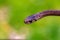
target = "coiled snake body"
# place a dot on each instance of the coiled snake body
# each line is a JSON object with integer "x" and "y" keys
{"x": 40, "y": 15}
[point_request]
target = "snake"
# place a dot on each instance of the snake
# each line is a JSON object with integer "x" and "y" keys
{"x": 32, "y": 18}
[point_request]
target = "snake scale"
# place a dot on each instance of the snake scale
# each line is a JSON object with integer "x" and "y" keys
{"x": 32, "y": 18}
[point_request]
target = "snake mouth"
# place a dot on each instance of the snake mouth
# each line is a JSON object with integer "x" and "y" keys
{"x": 30, "y": 21}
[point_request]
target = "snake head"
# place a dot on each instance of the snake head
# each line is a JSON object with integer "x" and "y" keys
{"x": 31, "y": 19}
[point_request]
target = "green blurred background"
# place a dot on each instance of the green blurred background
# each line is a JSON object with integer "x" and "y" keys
{"x": 47, "y": 28}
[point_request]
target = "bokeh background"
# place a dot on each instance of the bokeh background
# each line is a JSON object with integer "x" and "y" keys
{"x": 47, "y": 28}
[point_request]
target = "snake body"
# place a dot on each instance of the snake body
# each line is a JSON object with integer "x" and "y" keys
{"x": 35, "y": 17}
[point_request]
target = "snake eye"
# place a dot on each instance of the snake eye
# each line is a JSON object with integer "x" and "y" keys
{"x": 30, "y": 21}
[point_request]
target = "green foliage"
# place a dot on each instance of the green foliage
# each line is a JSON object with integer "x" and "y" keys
{"x": 44, "y": 29}
{"x": 3, "y": 2}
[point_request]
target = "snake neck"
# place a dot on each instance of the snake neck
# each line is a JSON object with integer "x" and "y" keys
{"x": 49, "y": 13}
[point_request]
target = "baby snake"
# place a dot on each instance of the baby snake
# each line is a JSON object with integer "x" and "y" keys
{"x": 35, "y": 17}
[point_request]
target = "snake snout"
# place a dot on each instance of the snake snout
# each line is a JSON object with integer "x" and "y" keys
{"x": 29, "y": 21}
